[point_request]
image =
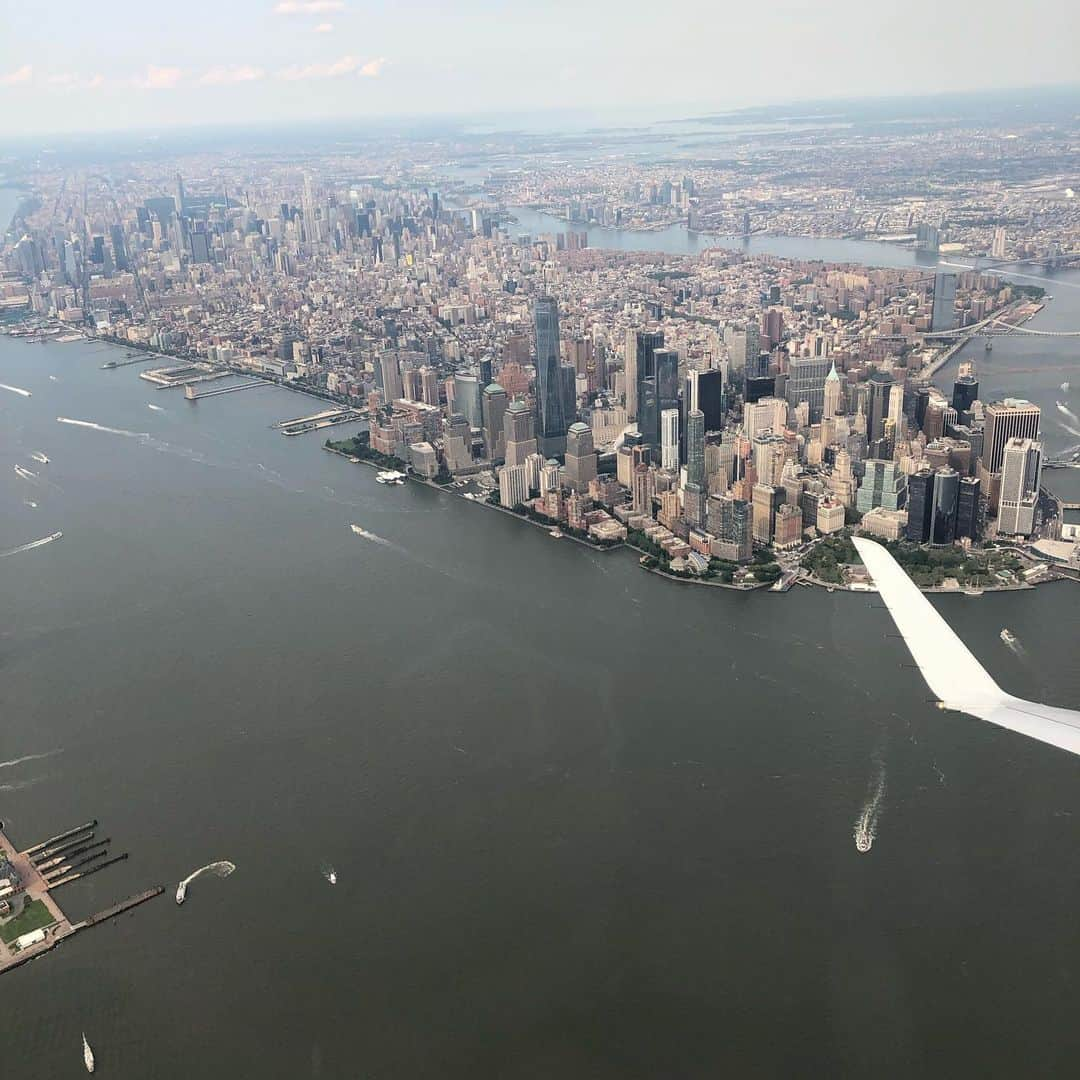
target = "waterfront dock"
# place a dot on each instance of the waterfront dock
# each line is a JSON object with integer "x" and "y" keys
{"x": 35, "y": 922}
{"x": 182, "y": 374}
{"x": 194, "y": 395}
{"x": 317, "y": 421}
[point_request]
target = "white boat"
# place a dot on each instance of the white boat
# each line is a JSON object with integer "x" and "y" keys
{"x": 1064, "y": 387}
{"x": 390, "y": 476}
{"x": 88, "y": 1054}
{"x": 556, "y": 533}
{"x": 37, "y": 455}
{"x": 1007, "y": 636}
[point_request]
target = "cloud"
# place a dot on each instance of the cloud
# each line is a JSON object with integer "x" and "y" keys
{"x": 19, "y": 75}
{"x": 73, "y": 80}
{"x": 159, "y": 78}
{"x": 324, "y": 28}
{"x": 345, "y": 66}
{"x": 373, "y": 68}
{"x": 241, "y": 73}
{"x": 308, "y": 7}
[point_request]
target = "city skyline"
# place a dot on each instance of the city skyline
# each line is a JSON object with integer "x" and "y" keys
{"x": 332, "y": 60}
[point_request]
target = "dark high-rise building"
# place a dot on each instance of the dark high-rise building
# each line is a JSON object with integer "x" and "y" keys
{"x": 710, "y": 397}
{"x": 655, "y": 378}
{"x": 648, "y": 411}
{"x": 640, "y": 346}
{"x": 969, "y": 510}
{"x": 878, "y": 387}
{"x": 550, "y": 391}
{"x": 569, "y": 384}
{"x": 919, "y": 505}
{"x": 120, "y": 256}
{"x": 944, "y": 311}
{"x": 943, "y": 510}
{"x": 757, "y": 387}
{"x": 493, "y": 403}
{"x": 667, "y": 378}
{"x": 965, "y": 391}
{"x": 485, "y": 362}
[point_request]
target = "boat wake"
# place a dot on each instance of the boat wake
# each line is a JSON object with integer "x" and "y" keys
{"x": 26, "y": 474}
{"x": 39, "y": 457}
{"x": 866, "y": 823}
{"x": 30, "y": 503}
{"x": 101, "y": 427}
{"x": 156, "y": 408}
{"x": 1066, "y": 411}
{"x": 22, "y": 785}
{"x": 33, "y": 544}
{"x": 1065, "y": 388}
{"x": 329, "y": 873}
{"x": 220, "y": 869}
{"x": 28, "y": 757}
{"x": 1069, "y": 428}
{"x": 370, "y": 536}
{"x": 16, "y": 390}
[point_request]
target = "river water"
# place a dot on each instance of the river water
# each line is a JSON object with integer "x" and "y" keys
{"x": 585, "y": 822}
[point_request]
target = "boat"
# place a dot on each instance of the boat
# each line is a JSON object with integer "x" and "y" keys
{"x": 181, "y": 892}
{"x": 87, "y": 1054}
{"x": 989, "y": 346}
{"x": 37, "y": 455}
{"x": 1064, "y": 387}
{"x": 390, "y": 476}
{"x": 556, "y": 533}
{"x": 109, "y": 365}
{"x": 1007, "y": 636}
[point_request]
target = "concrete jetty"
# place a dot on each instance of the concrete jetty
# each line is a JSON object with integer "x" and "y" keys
{"x": 317, "y": 421}
{"x": 194, "y": 395}
{"x": 30, "y": 851}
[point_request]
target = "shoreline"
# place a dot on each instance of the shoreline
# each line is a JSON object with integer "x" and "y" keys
{"x": 695, "y": 580}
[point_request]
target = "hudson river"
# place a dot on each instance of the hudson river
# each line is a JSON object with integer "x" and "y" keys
{"x": 585, "y": 822}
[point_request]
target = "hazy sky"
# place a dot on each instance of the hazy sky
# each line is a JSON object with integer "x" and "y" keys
{"x": 77, "y": 65}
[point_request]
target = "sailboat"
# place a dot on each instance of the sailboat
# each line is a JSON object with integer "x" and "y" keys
{"x": 88, "y": 1054}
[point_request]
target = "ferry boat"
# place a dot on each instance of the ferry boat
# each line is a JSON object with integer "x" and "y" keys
{"x": 390, "y": 476}
{"x": 1007, "y": 636}
{"x": 88, "y": 1054}
{"x": 181, "y": 892}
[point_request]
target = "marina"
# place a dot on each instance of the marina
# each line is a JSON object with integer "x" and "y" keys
{"x": 31, "y": 920}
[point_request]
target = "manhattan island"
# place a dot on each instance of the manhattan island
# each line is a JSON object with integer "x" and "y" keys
{"x": 733, "y": 418}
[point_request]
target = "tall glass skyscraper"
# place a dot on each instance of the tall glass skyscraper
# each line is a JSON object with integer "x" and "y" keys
{"x": 695, "y": 447}
{"x": 550, "y": 406}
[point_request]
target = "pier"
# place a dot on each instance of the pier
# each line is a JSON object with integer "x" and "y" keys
{"x": 32, "y": 922}
{"x": 194, "y": 395}
{"x": 182, "y": 374}
{"x": 318, "y": 421}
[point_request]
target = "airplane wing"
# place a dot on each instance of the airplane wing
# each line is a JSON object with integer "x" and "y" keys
{"x": 951, "y": 671}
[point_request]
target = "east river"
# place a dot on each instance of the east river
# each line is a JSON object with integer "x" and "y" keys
{"x": 585, "y": 822}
